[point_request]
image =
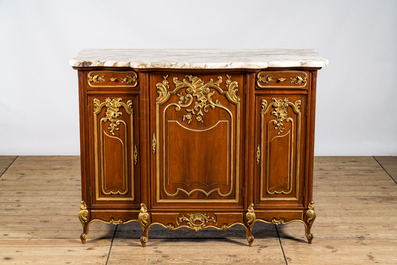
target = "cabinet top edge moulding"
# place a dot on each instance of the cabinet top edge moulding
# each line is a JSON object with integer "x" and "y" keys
{"x": 199, "y": 58}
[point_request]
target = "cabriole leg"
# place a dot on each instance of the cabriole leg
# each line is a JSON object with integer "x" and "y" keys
{"x": 250, "y": 237}
{"x": 83, "y": 235}
{"x": 145, "y": 236}
{"x": 309, "y": 235}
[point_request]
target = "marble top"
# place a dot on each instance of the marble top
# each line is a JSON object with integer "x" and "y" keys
{"x": 199, "y": 59}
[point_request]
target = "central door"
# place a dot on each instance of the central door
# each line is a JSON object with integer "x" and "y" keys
{"x": 196, "y": 139}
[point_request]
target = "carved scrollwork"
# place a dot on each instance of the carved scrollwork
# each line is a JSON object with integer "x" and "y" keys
{"x": 95, "y": 78}
{"x": 310, "y": 213}
{"x": 143, "y": 215}
{"x": 102, "y": 78}
{"x": 264, "y": 105}
{"x": 130, "y": 79}
{"x": 264, "y": 79}
{"x": 310, "y": 216}
{"x": 196, "y": 88}
{"x": 250, "y": 215}
{"x": 170, "y": 227}
{"x": 196, "y": 221}
{"x": 113, "y": 111}
{"x": 232, "y": 89}
{"x": 278, "y": 221}
{"x": 162, "y": 90}
{"x": 297, "y": 80}
{"x": 197, "y": 91}
{"x": 83, "y": 213}
{"x": 276, "y": 78}
{"x": 116, "y": 222}
{"x": 281, "y": 111}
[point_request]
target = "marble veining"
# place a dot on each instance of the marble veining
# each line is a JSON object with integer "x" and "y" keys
{"x": 199, "y": 59}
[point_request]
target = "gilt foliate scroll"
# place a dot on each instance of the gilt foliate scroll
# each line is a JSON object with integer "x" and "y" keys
{"x": 193, "y": 89}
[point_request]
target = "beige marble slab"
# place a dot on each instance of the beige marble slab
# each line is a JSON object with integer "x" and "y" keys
{"x": 198, "y": 59}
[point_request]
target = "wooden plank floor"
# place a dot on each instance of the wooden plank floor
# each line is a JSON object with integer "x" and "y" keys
{"x": 355, "y": 200}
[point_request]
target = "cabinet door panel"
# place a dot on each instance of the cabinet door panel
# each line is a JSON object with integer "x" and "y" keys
{"x": 280, "y": 126}
{"x": 114, "y": 142}
{"x": 198, "y": 145}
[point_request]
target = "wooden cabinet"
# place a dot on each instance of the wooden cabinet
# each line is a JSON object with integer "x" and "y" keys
{"x": 196, "y": 148}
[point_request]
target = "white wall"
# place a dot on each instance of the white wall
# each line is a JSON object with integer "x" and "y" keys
{"x": 356, "y": 92}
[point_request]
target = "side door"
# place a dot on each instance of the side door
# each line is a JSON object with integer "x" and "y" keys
{"x": 113, "y": 104}
{"x": 280, "y": 130}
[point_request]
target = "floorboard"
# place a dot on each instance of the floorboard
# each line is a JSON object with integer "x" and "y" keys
{"x": 341, "y": 251}
{"x": 38, "y": 229}
{"x": 5, "y": 162}
{"x": 389, "y": 164}
{"x": 355, "y": 201}
{"x": 197, "y": 251}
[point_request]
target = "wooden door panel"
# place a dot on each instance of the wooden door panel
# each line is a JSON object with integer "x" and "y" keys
{"x": 280, "y": 126}
{"x": 115, "y": 150}
{"x": 198, "y": 144}
{"x": 195, "y": 164}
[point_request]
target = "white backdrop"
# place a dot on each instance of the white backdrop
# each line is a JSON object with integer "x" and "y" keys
{"x": 356, "y": 114}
